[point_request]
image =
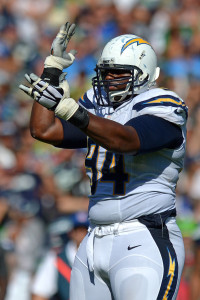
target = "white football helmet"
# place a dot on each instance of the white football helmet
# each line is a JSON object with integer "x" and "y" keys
{"x": 129, "y": 53}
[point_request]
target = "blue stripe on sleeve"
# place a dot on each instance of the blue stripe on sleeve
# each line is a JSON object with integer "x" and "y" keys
{"x": 85, "y": 102}
{"x": 162, "y": 100}
{"x": 156, "y": 133}
{"x": 74, "y": 138}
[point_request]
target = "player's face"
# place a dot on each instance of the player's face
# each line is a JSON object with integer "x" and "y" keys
{"x": 118, "y": 79}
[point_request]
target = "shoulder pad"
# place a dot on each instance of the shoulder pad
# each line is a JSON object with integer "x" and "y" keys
{"x": 162, "y": 103}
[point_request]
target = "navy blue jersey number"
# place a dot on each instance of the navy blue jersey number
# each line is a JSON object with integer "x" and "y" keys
{"x": 112, "y": 169}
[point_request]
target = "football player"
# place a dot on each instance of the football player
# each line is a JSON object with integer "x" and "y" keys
{"x": 135, "y": 134}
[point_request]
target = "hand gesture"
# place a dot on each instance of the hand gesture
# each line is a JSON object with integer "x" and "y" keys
{"x": 59, "y": 58}
{"x": 62, "y": 39}
{"x": 47, "y": 95}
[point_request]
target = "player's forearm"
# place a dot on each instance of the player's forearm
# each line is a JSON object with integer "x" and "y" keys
{"x": 109, "y": 134}
{"x": 112, "y": 135}
{"x": 44, "y": 126}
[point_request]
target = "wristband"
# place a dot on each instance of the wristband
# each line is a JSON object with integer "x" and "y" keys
{"x": 59, "y": 62}
{"x": 69, "y": 110}
{"x": 80, "y": 118}
{"x": 51, "y": 75}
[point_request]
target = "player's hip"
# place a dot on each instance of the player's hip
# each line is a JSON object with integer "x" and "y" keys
{"x": 145, "y": 233}
{"x": 150, "y": 252}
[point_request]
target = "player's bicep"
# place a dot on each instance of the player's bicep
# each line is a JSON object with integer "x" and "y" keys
{"x": 156, "y": 133}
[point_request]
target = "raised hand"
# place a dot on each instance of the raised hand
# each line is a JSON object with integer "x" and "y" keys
{"x": 62, "y": 39}
{"x": 59, "y": 58}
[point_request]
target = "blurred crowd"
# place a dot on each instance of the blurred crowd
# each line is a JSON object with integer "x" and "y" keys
{"x": 44, "y": 189}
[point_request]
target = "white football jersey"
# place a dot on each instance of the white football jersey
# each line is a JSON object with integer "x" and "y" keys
{"x": 124, "y": 187}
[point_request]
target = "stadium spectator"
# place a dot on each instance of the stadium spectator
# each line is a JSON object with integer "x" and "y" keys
{"x": 58, "y": 263}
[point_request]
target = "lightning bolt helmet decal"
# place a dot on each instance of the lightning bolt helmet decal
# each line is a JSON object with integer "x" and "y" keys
{"x": 138, "y": 40}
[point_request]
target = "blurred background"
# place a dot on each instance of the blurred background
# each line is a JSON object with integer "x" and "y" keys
{"x": 44, "y": 189}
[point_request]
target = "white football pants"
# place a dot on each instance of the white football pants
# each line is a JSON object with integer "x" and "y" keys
{"x": 128, "y": 261}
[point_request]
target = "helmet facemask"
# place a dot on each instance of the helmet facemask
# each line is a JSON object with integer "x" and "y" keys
{"x": 101, "y": 86}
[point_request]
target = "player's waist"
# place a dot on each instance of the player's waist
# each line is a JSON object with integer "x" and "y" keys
{"x": 115, "y": 228}
{"x": 135, "y": 190}
{"x": 150, "y": 221}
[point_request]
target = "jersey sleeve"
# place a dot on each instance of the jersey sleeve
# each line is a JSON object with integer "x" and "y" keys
{"x": 167, "y": 106}
{"x": 87, "y": 101}
{"x": 74, "y": 138}
{"x": 156, "y": 133}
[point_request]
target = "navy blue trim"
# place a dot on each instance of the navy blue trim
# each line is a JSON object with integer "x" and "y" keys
{"x": 166, "y": 249}
{"x": 159, "y": 231}
{"x": 85, "y": 102}
{"x": 141, "y": 105}
{"x": 156, "y": 133}
{"x": 157, "y": 220}
{"x": 74, "y": 138}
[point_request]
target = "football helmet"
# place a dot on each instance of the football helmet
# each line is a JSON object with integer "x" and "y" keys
{"x": 128, "y": 53}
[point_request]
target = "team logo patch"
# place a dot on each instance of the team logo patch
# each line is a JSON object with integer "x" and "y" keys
{"x": 139, "y": 41}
